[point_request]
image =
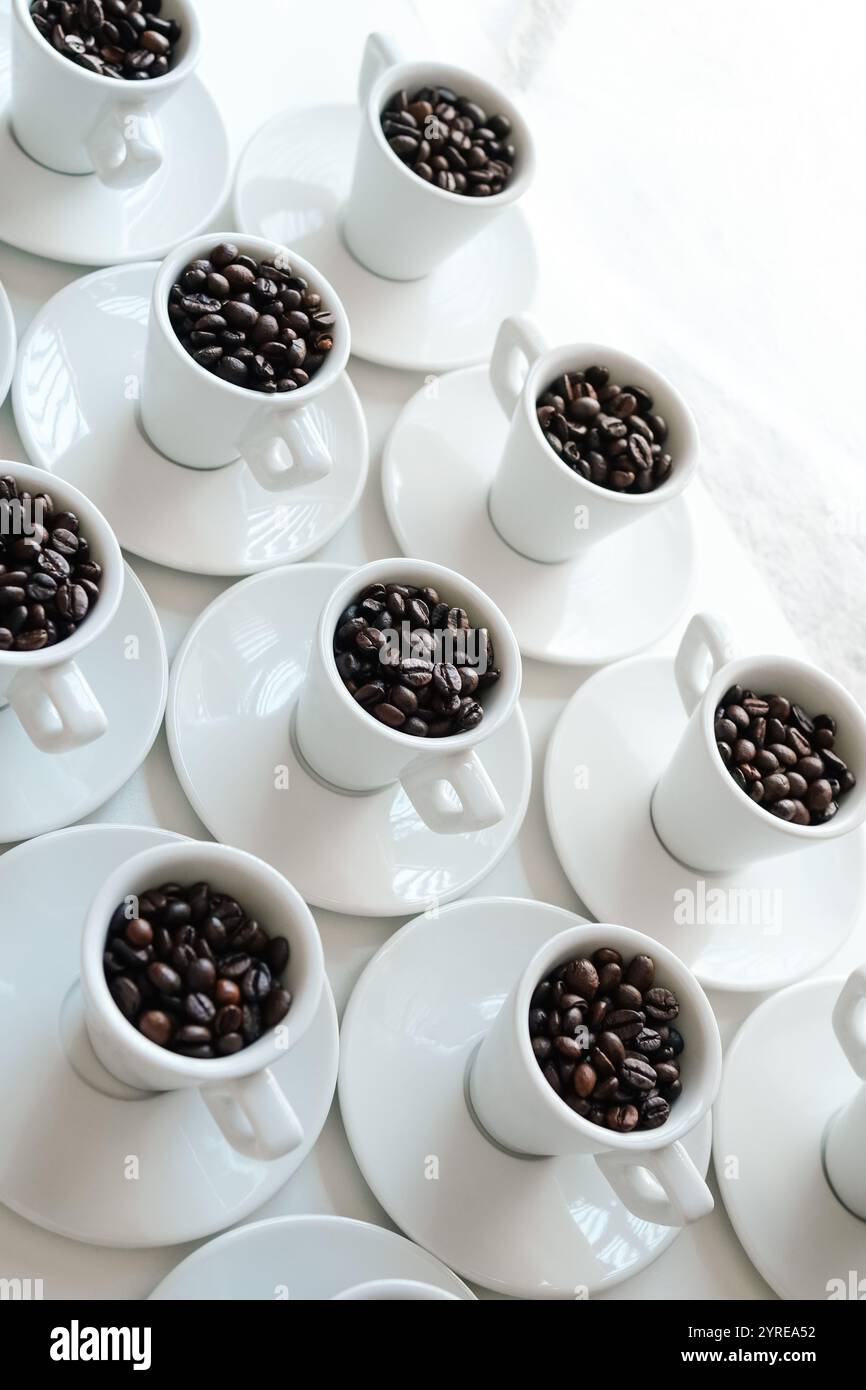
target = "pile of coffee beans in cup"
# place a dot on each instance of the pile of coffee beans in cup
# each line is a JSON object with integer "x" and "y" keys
{"x": 450, "y": 141}
{"x": 611, "y": 435}
{"x": 110, "y": 38}
{"x": 602, "y": 1033}
{"x": 251, "y": 323}
{"x": 193, "y": 972}
{"x": 48, "y": 580}
{"x": 413, "y": 661}
{"x": 781, "y": 756}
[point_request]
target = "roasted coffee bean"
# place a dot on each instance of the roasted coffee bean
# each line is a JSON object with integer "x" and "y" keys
{"x": 622, "y": 1118}
{"x": 171, "y": 974}
{"x": 134, "y": 44}
{"x": 126, "y": 995}
{"x": 780, "y": 756}
{"x": 413, "y": 662}
{"x": 638, "y": 1074}
{"x": 620, "y": 1070}
{"x": 654, "y": 1111}
{"x": 199, "y": 1008}
{"x": 581, "y": 978}
{"x": 449, "y": 140}
{"x": 48, "y": 584}
{"x": 256, "y": 324}
{"x": 661, "y": 1004}
{"x": 157, "y": 1026}
{"x": 607, "y": 435}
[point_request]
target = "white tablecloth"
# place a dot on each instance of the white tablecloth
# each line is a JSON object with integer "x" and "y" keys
{"x": 697, "y": 203}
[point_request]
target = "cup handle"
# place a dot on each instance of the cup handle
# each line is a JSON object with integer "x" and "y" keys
{"x": 849, "y": 1020}
{"x": 520, "y": 335}
{"x": 380, "y": 52}
{"x": 480, "y": 803}
{"x": 57, "y": 708}
{"x": 254, "y": 1115}
{"x": 705, "y": 637}
{"x": 677, "y": 1197}
{"x": 285, "y": 451}
{"x": 124, "y": 146}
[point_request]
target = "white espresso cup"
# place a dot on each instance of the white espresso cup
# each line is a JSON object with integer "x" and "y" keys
{"x": 845, "y": 1140}
{"x": 395, "y": 1291}
{"x": 79, "y": 122}
{"x": 539, "y": 505}
{"x": 699, "y": 812}
{"x": 46, "y": 689}
{"x": 240, "y": 1091}
{"x": 196, "y": 419}
{"x": 649, "y": 1170}
{"x": 348, "y": 747}
{"x": 397, "y": 224}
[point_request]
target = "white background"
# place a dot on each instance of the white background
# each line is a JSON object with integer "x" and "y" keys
{"x": 700, "y": 201}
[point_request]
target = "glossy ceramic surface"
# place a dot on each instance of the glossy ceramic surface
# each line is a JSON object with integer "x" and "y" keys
{"x": 188, "y": 1181}
{"x": 302, "y": 1257}
{"x": 233, "y": 688}
{"x": 76, "y": 407}
{"x": 530, "y": 1227}
{"x": 128, "y": 666}
{"x": 770, "y": 1121}
{"x": 69, "y": 217}
{"x": 757, "y": 929}
{"x": 621, "y": 596}
{"x": 292, "y": 181}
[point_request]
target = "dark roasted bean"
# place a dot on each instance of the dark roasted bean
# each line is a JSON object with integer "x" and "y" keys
{"x": 176, "y": 982}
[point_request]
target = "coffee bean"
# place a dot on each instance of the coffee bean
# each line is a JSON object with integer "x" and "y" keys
{"x": 614, "y": 1071}
{"x": 638, "y": 1074}
{"x": 640, "y": 973}
{"x": 449, "y": 140}
{"x": 126, "y": 995}
{"x": 48, "y": 584}
{"x": 779, "y": 753}
{"x": 413, "y": 662}
{"x": 623, "y": 1118}
{"x": 602, "y": 432}
{"x": 157, "y": 1026}
{"x": 654, "y": 1111}
{"x": 181, "y": 983}
{"x": 661, "y": 1004}
{"x": 275, "y": 1007}
{"x": 256, "y": 325}
{"x": 133, "y": 44}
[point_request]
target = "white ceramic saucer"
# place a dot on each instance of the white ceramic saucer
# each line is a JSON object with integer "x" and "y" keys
{"x": 8, "y": 344}
{"x": 292, "y": 181}
{"x": 770, "y": 1120}
{"x": 302, "y": 1258}
{"x": 758, "y": 929}
{"x": 530, "y": 1227}
{"x": 439, "y": 462}
{"x": 128, "y": 669}
{"x": 65, "y": 1146}
{"x": 76, "y": 408}
{"x": 71, "y": 217}
{"x": 229, "y": 719}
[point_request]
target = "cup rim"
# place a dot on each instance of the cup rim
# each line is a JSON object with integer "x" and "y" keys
{"x": 369, "y": 573}
{"x": 684, "y": 467}
{"x": 170, "y": 858}
{"x": 396, "y": 72}
{"x": 331, "y": 369}
{"x": 186, "y": 65}
{"x": 852, "y": 810}
{"x": 580, "y": 938}
{"x": 113, "y": 569}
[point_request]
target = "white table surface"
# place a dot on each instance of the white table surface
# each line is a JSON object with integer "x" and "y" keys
{"x": 706, "y": 1261}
